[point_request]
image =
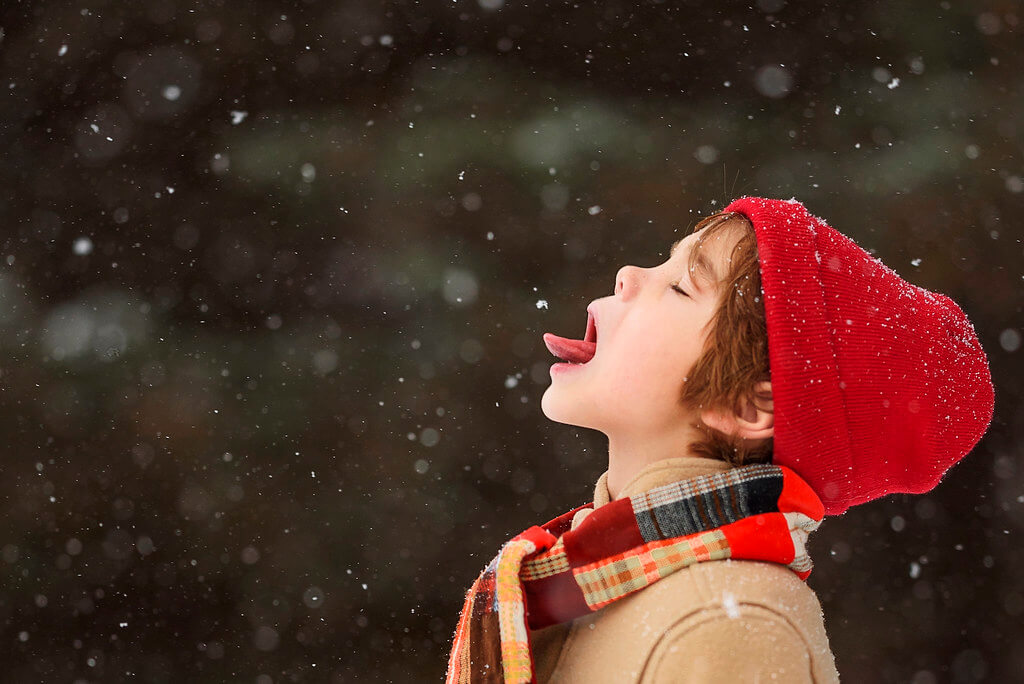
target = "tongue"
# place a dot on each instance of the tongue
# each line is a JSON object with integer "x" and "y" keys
{"x": 574, "y": 351}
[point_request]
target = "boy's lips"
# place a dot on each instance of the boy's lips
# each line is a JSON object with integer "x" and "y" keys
{"x": 572, "y": 350}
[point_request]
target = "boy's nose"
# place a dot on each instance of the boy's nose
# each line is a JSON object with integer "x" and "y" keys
{"x": 627, "y": 281}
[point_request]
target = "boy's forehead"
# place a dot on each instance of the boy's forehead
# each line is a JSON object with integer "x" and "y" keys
{"x": 704, "y": 262}
{"x": 724, "y": 235}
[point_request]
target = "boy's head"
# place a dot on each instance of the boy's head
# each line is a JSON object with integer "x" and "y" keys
{"x": 671, "y": 353}
{"x": 794, "y": 345}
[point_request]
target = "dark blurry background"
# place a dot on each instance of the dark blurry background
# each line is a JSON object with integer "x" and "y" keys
{"x": 275, "y": 274}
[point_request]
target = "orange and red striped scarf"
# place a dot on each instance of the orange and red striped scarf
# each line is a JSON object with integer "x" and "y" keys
{"x": 552, "y": 573}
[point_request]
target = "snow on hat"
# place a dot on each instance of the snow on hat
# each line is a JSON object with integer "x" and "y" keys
{"x": 879, "y": 386}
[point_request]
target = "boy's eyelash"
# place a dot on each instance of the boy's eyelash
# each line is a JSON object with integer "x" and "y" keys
{"x": 675, "y": 286}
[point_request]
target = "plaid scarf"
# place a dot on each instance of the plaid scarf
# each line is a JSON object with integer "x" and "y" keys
{"x": 553, "y": 573}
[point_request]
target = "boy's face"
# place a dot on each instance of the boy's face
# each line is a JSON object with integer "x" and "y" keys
{"x": 648, "y": 337}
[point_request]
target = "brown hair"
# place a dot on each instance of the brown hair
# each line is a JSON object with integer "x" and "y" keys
{"x": 735, "y": 356}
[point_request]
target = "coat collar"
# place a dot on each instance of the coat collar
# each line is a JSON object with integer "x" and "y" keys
{"x": 656, "y": 474}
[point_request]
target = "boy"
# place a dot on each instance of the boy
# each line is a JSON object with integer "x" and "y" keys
{"x": 769, "y": 372}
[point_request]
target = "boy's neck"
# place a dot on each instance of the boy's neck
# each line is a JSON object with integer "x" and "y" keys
{"x": 628, "y": 456}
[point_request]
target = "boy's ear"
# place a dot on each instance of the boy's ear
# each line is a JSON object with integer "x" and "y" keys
{"x": 752, "y": 419}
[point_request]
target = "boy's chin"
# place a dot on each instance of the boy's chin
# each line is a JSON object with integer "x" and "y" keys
{"x": 561, "y": 409}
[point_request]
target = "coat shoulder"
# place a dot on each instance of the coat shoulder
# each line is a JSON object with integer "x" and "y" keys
{"x": 763, "y": 606}
{"x": 728, "y": 584}
{"x": 643, "y": 635}
{"x": 745, "y": 643}
{"x": 772, "y": 586}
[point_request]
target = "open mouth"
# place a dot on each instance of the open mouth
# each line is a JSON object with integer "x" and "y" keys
{"x": 572, "y": 350}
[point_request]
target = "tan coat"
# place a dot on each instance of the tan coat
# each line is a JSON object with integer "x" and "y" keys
{"x": 715, "y": 621}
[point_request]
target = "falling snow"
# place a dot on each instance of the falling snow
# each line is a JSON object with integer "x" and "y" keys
{"x": 275, "y": 390}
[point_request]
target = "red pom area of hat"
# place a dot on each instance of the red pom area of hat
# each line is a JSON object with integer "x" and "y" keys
{"x": 879, "y": 386}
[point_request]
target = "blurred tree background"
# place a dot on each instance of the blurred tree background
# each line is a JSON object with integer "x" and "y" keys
{"x": 275, "y": 276}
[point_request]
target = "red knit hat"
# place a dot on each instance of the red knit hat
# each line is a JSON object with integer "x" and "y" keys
{"x": 879, "y": 386}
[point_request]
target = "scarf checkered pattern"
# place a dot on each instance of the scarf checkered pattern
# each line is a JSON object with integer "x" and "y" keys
{"x": 552, "y": 573}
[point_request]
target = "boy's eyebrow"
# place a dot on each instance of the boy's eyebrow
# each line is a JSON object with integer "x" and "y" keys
{"x": 703, "y": 264}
